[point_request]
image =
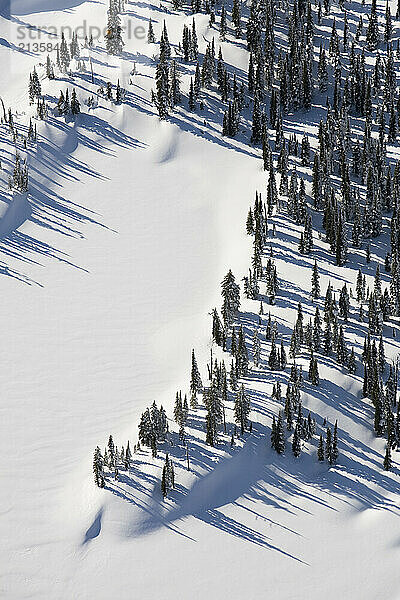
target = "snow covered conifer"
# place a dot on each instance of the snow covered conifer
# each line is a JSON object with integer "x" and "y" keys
{"x": 146, "y": 429}
{"x": 344, "y": 303}
{"x": 151, "y": 38}
{"x": 231, "y": 298}
{"x": 174, "y": 86}
{"x": 98, "y": 468}
{"x": 313, "y": 371}
{"x": 191, "y": 98}
{"x": 161, "y": 97}
{"x": 241, "y": 409}
{"x": 236, "y": 18}
{"x": 321, "y": 450}
{"x": 49, "y": 68}
{"x": 274, "y": 359}
{"x": 387, "y": 461}
{"x": 168, "y": 476}
{"x": 335, "y": 452}
{"x": 315, "y": 287}
{"x": 296, "y": 442}
{"x": 256, "y": 125}
{"x": 164, "y": 488}
{"x": 273, "y": 433}
{"x": 351, "y": 365}
{"x": 114, "y": 43}
{"x": 64, "y": 55}
{"x": 111, "y": 451}
{"x": 280, "y": 435}
{"x": 372, "y": 36}
{"x": 283, "y": 357}
{"x": 218, "y": 331}
{"x": 178, "y": 409}
{"x": 35, "y": 88}
{"x": 196, "y": 384}
{"x": 250, "y": 223}
{"x": 256, "y": 348}
{"x": 75, "y": 105}
{"x": 223, "y": 28}
{"x": 328, "y": 446}
{"x": 242, "y": 359}
{"x": 128, "y": 456}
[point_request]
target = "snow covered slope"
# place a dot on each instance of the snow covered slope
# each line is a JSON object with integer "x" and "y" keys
{"x": 111, "y": 270}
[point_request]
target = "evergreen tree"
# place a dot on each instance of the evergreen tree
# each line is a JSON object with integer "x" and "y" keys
{"x": 128, "y": 457}
{"x": 256, "y": 348}
{"x": 236, "y": 18}
{"x": 151, "y": 38}
{"x": 274, "y": 359}
{"x": 387, "y": 461}
{"x": 321, "y": 450}
{"x": 98, "y": 469}
{"x": 223, "y": 28}
{"x": 146, "y": 429}
{"x": 328, "y": 447}
{"x": 161, "y": 97}
{"x": 35, "y": 88}
{"x": 174, "y": 85}
{"x": 114, "y": 43}
{"x": 192, "y": 97}
{"x": 64, "y": 56}
{"x": 335, "y": 452}
{"x": 351, "y": 365}
{"x": 196, "y": 384}
{"x": 315, "y": 287}
{"x": 344, "y": 303}
{"x": 241, "y": 409}
{"x": 250, "y": 223}
{"x": 372, "y": 37}
{"x": 280, "y": 435}
{"x": 231, "y": 298}
{"x": 168, "y": 476}
{"x": 256, "y": 129}
{"x": 75, "y": 105}
{"x": 242, "y": 359}
{"x": 49, "y": 68}
{"x": 296, "y": 443}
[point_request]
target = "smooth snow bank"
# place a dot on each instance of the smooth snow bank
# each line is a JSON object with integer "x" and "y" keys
{"x": 27, "y": 7}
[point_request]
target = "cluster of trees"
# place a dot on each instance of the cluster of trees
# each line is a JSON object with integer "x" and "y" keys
{"x": 35, "y": 88}
{"x": 331, "y": 338}
{"x": 257, "y": 226}
{"x": 353, "y": 184}
{"x": 65, "y": 106}
{"x": 196, "y": 384}
{"x": 168, "y": 476}
{"x": 168, "y": 92}
{"x": 153, "y": 427}
{"x": 229, "y": 310}
{"x": 112, "y": 459}
{"x": 383, "y": 395}
{"x": 328, "y": 449}
{"x": 277, "y": 359}
{"x": 181, "y": 412}
{"x": 19, "y": 181}
{"x": 64, "y": 53}
{"x": 107, "y": 92}
{"x": 304, "y": 428}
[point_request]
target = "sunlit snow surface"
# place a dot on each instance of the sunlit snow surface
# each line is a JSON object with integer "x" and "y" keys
{"x": 108, "y": 281}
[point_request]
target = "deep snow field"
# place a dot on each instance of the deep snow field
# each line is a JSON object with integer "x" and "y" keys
{"x": 111, "y": 270}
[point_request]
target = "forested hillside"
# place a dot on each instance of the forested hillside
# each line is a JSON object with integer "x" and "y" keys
{"x": 200, "y": 260}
